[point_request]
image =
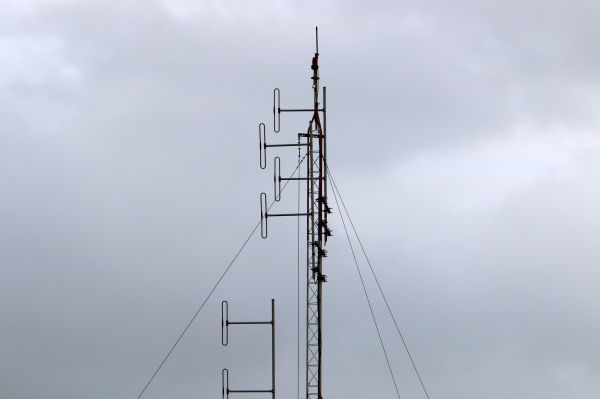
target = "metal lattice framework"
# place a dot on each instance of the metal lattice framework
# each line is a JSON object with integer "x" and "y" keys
{"x": 316, "y": 237}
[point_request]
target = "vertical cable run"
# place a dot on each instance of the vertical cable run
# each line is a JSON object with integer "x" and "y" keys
{"x": 298, "y": 285}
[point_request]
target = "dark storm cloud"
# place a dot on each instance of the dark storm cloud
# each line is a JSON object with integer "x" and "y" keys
{"x": 464, "y": 138}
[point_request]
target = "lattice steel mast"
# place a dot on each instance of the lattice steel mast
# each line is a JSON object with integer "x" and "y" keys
{"x": 317, "y": 209}
{"x": 316, "y": 236}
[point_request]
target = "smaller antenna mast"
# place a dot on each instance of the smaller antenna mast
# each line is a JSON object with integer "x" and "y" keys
{"x": 225, "y": 323}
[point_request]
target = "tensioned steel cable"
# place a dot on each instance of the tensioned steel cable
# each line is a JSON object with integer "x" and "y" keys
{"x": 211, "y": 292}
{"x": 298, "y": 288}
{"x": 379, "y": 285}
{"x": 362, "y": 281}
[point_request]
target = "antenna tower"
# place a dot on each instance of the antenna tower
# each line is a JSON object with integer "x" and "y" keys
{"x": 314, "y": 141}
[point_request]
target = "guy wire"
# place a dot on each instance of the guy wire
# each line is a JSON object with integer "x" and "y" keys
{"x": 184, "y": 331}
{"x": 378, "y": 285}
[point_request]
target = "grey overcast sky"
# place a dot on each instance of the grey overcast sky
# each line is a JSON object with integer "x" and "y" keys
{"x": 464, "y": 136}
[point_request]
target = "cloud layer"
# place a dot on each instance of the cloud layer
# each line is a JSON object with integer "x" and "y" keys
{"x": 464, "y": 138}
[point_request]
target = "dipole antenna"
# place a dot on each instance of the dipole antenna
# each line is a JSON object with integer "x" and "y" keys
{"x": 314, "y": 143}
{"x": 225, "y": 323}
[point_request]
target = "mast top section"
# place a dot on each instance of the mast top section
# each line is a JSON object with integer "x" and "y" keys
{"x": 315, "y": 60}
